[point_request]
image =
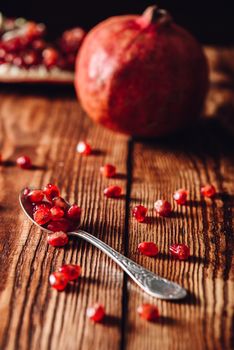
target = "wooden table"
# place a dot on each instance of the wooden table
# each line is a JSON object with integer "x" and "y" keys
{"x": 46, "y": 124}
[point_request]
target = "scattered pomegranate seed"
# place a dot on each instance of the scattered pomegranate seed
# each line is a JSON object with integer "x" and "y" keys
{"x": 42, "y": 216}
{"x": 50, "y": 56}
{"x": 108, "y": 170}
{"x": 24, "y": 162}
{"x": 148, "y": 248}
{"x": 84, "y": 148}
{"x": 208, "y": 191}
{"x": 35, "y": 196}
{"x": 96, "y": 312}
{"x": 162, "y": 207}
{"x": 72, "y": 39}
{"x": 139, "y": 213}
{"x": 148, "y": 312}
{"x": 179, "y": 251}
{"x": 42, "y": 205}
{"x": 74, "y": 212}
{"x": 56, "y": 213}
{"x": 58, "y": 280}
{"x": 59, "y": 225}
{"x": 180, "y": 196}
{"x": 60, "y": 202}
{"x": 57, "y": 239}
{"x": 113, "y": 191}
{"x": 72, "y": 272}
{"x": 51, "y": 191}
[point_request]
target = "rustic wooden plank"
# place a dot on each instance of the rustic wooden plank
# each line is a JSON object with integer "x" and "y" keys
{"x": 204, "y": 321}
{"x": 32, "y": 315}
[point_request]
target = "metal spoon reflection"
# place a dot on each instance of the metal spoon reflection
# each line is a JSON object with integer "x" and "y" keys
{"x": 152, "y": 284}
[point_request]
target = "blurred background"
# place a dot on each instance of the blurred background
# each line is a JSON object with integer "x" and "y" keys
{"x": 211, "y": 22}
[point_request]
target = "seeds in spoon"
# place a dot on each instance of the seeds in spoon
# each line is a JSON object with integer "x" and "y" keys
{"x": 42, "y": 216}
{"x": 74, "y": 212}
{"x": 56, "y": 213}
{"x": 35, "y": 196}
{"x": 51, "y": 191}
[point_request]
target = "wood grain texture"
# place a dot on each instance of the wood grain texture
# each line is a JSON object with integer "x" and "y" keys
{"x": 46, "y": 124}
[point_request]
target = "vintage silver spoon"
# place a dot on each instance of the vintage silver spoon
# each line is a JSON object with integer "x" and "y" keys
{"x": 152, "y": 284}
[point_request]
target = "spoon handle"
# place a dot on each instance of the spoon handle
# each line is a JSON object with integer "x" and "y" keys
{"x": 152, "y": 284}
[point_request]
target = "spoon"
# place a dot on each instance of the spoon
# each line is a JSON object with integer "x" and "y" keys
{"x": 152, "y": 284}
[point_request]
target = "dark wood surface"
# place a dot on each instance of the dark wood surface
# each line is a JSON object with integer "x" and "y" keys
{"x": 47, "y": 123}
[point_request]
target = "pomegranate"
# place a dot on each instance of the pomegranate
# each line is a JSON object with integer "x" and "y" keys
{"x": 141, "y": 75}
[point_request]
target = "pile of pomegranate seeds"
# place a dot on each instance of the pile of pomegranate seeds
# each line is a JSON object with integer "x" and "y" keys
{"x": 52, "y": 211}
{"x": 108, "y": 170}
{"x": 162, "y": 207}
{"x": 24, "y": 162}
{"x": 22, "y": 44}
{"x": 180, "y": 196}
{"x": 113, "y": 191}
{"x": 148, "y": 248}
{"x": 208, "y": 191}
{"x": 139, "y": 213}
{"x": 96, "y": 312}
{"x": 179, "y": 251}
{"x": 148, "y": 312}
{"x": 59, "y": 280}
{"x": 84, "y": 148}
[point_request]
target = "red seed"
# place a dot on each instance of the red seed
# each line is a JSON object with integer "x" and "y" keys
{"x": 180, "y": 196}
{"x": 108, "y": 170}
{"x": 84, "y": 148}
{"x": 51, "y": 191}
{"x": 42, "y": 205}
{"x": 26, "y": 191}
{"x": 139, "y": 213}
{"x": 59, "y": 225}
{"x": 113, "y": 191}
{"x": 30, "y": 58}
{"x": 179, "y": 251}
{"x": 50, "y": 56}
{"x": 148, "y": 248}
{"x": 72, "y": 272}
{"x": 56, "y": 213}
{"x": 57, "y": 239}
{"x": 96, "y": 312}
{"x": 42, "y": 216}
{"x": 58, "y": 280}
{"x": 148, "y": 312}
{"x": 35, "y": 196}
{"x": 24, "y": 162}
{"x": 208, "y": 191}
{"x": 162, "y": 207}
{"x": 60, "y": 202}
{"x": 74, "y": 212}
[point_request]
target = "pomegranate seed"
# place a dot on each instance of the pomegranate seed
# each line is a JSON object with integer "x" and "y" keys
{"x": 84, "y": 148}
{"x": 74, "y": 212}
{"x": 58, "y": 280}
{"x": 30, "y": 58}
{"x": 179, "y": 251}
{"x": 51, "y": 191}
{"x": 148, "y": 248}
{"x": 42, "y": 216}
{"x": 59, "y": 225}
{"x": 162, "y": 207}
{"x": 96, "y": 312}
{"x": 108, "y": 170}
{"x": 72, "y": 39}
{"x": 148, "y": 312}
{"x": 50, "y": 56}
{"x": 208, "y": 191}
{"x": 56, "y": 213}
{"x": 24, "y": 162}
{"x": 180, "y": 196}
{"x": 36, "y": 196}
{"x": 60, "y": 202}
{"x": 42, "y": 205}
{"x": 57, "y": 239}
{"x": 38, "y": 44}
{"x": 139, "y": 213}
{"x": 26, "y": 191}
{"x": 113, "y": 191}
{"x": 72, "y": 272}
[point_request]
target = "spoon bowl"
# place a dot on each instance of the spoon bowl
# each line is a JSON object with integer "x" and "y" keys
{"x": 151, "y": 283}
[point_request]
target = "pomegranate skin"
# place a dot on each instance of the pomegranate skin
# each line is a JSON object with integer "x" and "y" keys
{"x": 141, "y": 75}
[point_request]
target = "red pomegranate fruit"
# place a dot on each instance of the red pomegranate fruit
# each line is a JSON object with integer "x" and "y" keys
{"x": 141, "y": 75}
